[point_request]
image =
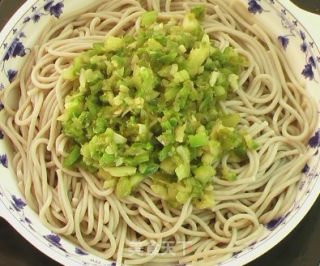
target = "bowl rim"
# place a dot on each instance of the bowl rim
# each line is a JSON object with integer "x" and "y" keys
{"x": 295, "y": 12}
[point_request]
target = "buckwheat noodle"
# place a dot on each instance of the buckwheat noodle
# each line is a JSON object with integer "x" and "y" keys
{"x": 273, "y": 106}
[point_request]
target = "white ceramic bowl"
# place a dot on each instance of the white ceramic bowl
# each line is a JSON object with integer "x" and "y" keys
{"x": 297, "y": 33}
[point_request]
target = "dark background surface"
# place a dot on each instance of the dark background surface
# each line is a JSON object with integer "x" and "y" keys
{"x": 300, "y": 248}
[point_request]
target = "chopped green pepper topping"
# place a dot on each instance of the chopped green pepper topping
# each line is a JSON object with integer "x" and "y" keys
{"x": 147, "y": 105}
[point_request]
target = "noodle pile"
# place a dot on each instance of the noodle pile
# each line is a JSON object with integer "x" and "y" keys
{"x": 142, "y": 229}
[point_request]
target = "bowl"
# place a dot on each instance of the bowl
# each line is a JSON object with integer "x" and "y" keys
{"x": 297, "y": 34}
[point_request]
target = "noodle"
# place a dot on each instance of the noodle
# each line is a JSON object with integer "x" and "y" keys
{"x": 144, "y": 230}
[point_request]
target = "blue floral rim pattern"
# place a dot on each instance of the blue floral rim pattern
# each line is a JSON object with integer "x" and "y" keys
{"x": 16, "y": 48}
